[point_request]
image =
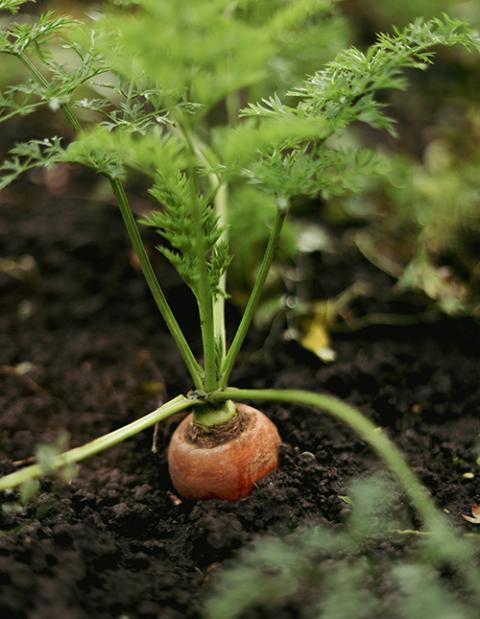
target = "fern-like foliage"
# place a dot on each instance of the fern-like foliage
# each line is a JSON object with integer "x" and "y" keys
{"x": 345, "y": 90}
{"x": 75, "y": 67}
{"x": 113, "y": 152}
{"x": 20, "y": 100}
{"x": 214, "y": 56}
{"x": 175, "y": 224}
{"x": 334, "y": 173}
{"x": 343, "y": 93}
{"x": 139, "y": 108}
{"x": 21, "y": 36}
{"x": 12, "y": 6}
{"x": 66, "y": 78}
{"x": 28, "y": 155}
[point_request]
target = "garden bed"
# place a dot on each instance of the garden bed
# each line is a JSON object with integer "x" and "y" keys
{"x": 116, "y": 541}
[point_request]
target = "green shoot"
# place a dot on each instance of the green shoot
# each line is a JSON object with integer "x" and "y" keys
{"x": 71, "y": 457}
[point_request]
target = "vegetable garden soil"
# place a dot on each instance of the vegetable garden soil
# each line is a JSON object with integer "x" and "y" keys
{"x": 116, "y": 541}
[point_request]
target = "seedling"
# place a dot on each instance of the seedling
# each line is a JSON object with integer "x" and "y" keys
{"x": 160, "y": 95}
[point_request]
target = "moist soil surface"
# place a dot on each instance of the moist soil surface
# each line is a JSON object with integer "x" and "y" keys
{"x": 83, "y": 351}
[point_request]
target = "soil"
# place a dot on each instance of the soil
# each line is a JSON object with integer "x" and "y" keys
{"x": 116, "y": 541}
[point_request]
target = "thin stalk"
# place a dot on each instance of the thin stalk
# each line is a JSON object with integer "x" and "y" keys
{"x": 204, "y": 297}
{"x": 207, "y": 157}
{"x": 71, "y": 116}
{"x": 221, "y": 199}
{"x": 138, "y": 246}
{"x": 77, "y": 454}
{"x": 373, "y": 435}
{"x": 205, "y": 294}
{"x": 152, "y": 281}
{"x": 255, "y": 295}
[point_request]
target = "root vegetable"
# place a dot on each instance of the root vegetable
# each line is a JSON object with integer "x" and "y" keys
{"x": 224, "y": 462}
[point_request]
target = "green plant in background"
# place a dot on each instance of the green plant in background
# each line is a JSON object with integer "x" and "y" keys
{"x": 390, "y": 11}
{"x": 420, "y": 222}
{"x": 159, "y": 119}
{"x": 425, "y": 236}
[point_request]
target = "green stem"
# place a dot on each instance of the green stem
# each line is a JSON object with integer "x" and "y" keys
{"x": 41, "y": 79}
{"x": 373, "y": 435}
{"x": 204, "y": 292}
{"x": 204, "y": 298}
{"x": 208, "y": 159}
{"x": 138, "y": 246}
{"x": 77, "y": 454}
{"x": 205, "y": 155}
{"x": 221, "y": 199}
{"x": 209, "y": 416}
{"x": 153, "y": 284}
{"x": 255, "y": 294}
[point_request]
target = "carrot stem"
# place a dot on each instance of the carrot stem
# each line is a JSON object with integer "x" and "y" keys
{"x": 77, "y": 454}
{"x": 256, "y": 293}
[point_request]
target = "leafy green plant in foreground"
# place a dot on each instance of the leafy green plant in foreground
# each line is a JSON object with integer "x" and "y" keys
{"x": 155, "y": 118}
{"x": 317, "y": 572}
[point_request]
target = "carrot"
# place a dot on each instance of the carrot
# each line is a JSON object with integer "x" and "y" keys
{"x": 223, "y": 462}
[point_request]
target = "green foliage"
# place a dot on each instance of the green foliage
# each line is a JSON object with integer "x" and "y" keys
{"x": 204, "y": 52}
{"x": 294, "y": 155}
{"x": 12, "y": 5}
{"x": 28, "y": 155}
{"x": 138, "y": 110}
{"x": 212, "y": 50}
{"x": 66, "y": 77}
{"x": 21, "y": 36}
{"x": 20, "y": 100}
{"x": 315, "y": 572}
{"x": 46, "y": 455}
{"x": 306, "y": 33}
{"x": 424, "y": 235}
{"x": 180, "y": 123}
{"x": 74, "y": 67}
{"x": 175, "y": 224}
{"x": 334, "y": 173}
{"x": 344, "y": 92}
{"x": 113, "y": 152}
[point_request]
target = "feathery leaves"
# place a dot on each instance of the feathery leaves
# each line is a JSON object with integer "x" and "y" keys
{"x": 28, "y": 155}
{"x": 20, "y": 36}
{"x": 175, "y": 224}
{"x": 344, "y": 92}
{"x": 12, "y": 6}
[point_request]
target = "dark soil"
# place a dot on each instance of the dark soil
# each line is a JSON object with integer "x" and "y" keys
{"x": 116, "y": 541}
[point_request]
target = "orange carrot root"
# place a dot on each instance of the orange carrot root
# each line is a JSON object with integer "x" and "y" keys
{"x": 228, "y": 467}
